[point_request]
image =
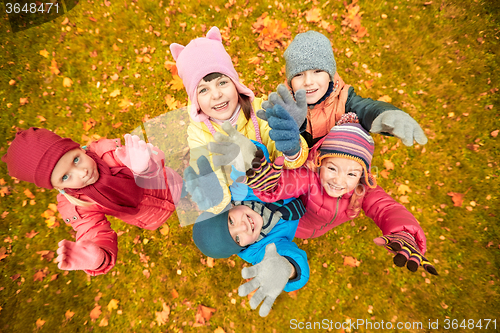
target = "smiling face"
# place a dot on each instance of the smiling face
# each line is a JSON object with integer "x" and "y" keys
{"x": 339, "y": 175}
{"x": 217, "y": 98}
{"x": 314, "y": 81}
{"x": 74, "y": 170}
{"x": 244, "y": 225}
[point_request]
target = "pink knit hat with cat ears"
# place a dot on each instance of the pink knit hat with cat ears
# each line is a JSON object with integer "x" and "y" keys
{"x": 203, "y": 56}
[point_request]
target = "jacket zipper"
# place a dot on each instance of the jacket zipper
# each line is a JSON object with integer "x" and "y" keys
{"x": 334, "y": 217}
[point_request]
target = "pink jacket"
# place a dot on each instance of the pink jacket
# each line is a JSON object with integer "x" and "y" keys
{"x": 157, "y": 205}
{"x": 323, "y": 212}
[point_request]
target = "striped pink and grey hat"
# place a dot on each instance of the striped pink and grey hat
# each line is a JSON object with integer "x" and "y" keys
{"x": 350, "y": 141}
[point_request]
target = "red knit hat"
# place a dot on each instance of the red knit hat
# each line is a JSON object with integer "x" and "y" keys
{"x": 34, "y": 153}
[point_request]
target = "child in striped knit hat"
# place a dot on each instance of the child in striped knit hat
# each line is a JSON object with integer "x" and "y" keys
{"x": 337, "y": 187}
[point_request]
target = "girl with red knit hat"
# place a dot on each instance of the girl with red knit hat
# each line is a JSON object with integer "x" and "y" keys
{"x": 105, "y": 178}
{"x": 216, "y": 96}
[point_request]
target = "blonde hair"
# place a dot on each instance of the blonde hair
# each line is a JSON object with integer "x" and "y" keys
{"x": 76, "y": 201}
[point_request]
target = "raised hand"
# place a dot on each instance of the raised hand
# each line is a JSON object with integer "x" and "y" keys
{"x": 136, "y": 154}
{"x": 233, "y": 149}
{"x": 79, "y": 255}
{"x": 297, "y": 108}
{"x": 270, "y": 276}
{"x": 263, "y": 176}
{"x": 284, "y": 132}
{"x": 401, "y": 125}
{"x": 404, "y": 246}
{"x": 204, "y": 187}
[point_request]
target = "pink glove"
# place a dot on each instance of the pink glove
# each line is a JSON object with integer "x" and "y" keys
{"x": 136, "y": 154}
{"x": 80, "y": 255}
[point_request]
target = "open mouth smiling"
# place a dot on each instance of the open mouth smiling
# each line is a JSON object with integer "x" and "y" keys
{"x": 220, "y": 106}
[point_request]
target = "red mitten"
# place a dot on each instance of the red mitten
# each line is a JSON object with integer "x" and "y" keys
{"x": 81, "y": 255}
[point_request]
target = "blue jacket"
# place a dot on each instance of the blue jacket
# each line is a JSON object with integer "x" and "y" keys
{"x": 281, "y": 235}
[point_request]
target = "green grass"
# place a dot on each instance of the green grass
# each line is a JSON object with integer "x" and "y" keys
{"x": 444, "y": 58}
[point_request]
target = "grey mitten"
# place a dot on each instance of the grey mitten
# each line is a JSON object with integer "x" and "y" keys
{"x": 233, "y": 149}
{"x": 297, "y": 108}
{"x": 270, "y": 276}
{"x": 204, "y": 187}
{"x": 401, "y": 125}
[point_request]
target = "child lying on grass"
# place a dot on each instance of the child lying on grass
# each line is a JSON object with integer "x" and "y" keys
{"x": 105, "y": 178}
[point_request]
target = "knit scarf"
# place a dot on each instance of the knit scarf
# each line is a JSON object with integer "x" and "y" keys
{"x": 273, "y": 212}
{"x": 115, "y": 189}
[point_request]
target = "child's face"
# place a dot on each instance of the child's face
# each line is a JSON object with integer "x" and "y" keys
{"x": 314, "y": 81}
{"x": 244, "y": 225}
{"x": 74, "y": 170}
{"x": 218, "y": 98}
{"x": 339, "y": 175}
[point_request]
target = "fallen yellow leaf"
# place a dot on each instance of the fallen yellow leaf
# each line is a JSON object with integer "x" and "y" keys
{"x": 44, "y": 53}
{"x": 402, "y": 189}
{"x": 115, "y": 93}
{"x": 385, "y": 98}
{"x": 67, "y": 82}
{"x": 113, "y": 305}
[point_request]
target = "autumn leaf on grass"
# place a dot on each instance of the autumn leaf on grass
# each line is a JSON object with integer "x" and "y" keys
{"x": 115, "y": 47}
{"x": 457, "y": 198}
{"x": 174, "y": 293}
{"x": 125, "y": 103}
{"x": 12, "y": 82}
{"x": 384, "y": 174}
{"x": 31, "y": 234}
{"x": 115, "y": 93}
{"x": 53, "y": 67}
{"x": 313, "y": 15}
{"x": 39, "y": 275}
{"x": 170, "y": 65}
{"x": 350, "y": 261}
{"x": 67, "y": 82}
{"x": 176, "y": 83}
{"x": 44, "y": 53}
{"x": 117, "y": 124}
{"x": 95, "y": 313}
{"x": 171, "y": 102}
{"x": 39, "y": 323}
{"x": 404, "y": 199}
{"x": 46, "y": 254}
{"x": 164, "y": 229}
{"x": 272, "y": 33}
{"x": 210, "y": 262}
{"x": 254, "y": 60}
{"x": 388, "y": 165}
{"x": 104, "y": 322}
{"x": 87, "y": 125}
{"x": 23, "y": 100}
{"x": 3, "y": 250}
{"x": 68, "y": 315}
{"x": 494, "y": 133}
{"x": 28, "y": 193}
{"x": 402, "y": 189}
{"x": 203, "y": 315}
{"x": 385, "y": 98}
{"x": 162, "y": 316}
{"x": 113, "y": 305}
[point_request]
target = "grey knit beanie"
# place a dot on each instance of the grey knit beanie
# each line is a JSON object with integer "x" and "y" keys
{"x": 309, "y": 50}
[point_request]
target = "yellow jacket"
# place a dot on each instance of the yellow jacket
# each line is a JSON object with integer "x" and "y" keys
{"x": 199, "y": 136}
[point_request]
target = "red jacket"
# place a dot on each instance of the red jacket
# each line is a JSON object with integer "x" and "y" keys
{"x": 323, "y": 212}
{"x": 157, "y": 205}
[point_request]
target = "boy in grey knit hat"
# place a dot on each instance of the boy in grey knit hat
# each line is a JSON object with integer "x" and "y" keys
{"x": 321, "y": 97}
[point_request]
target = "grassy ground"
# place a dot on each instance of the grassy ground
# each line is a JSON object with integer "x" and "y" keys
{"x": 438, "y": 61}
